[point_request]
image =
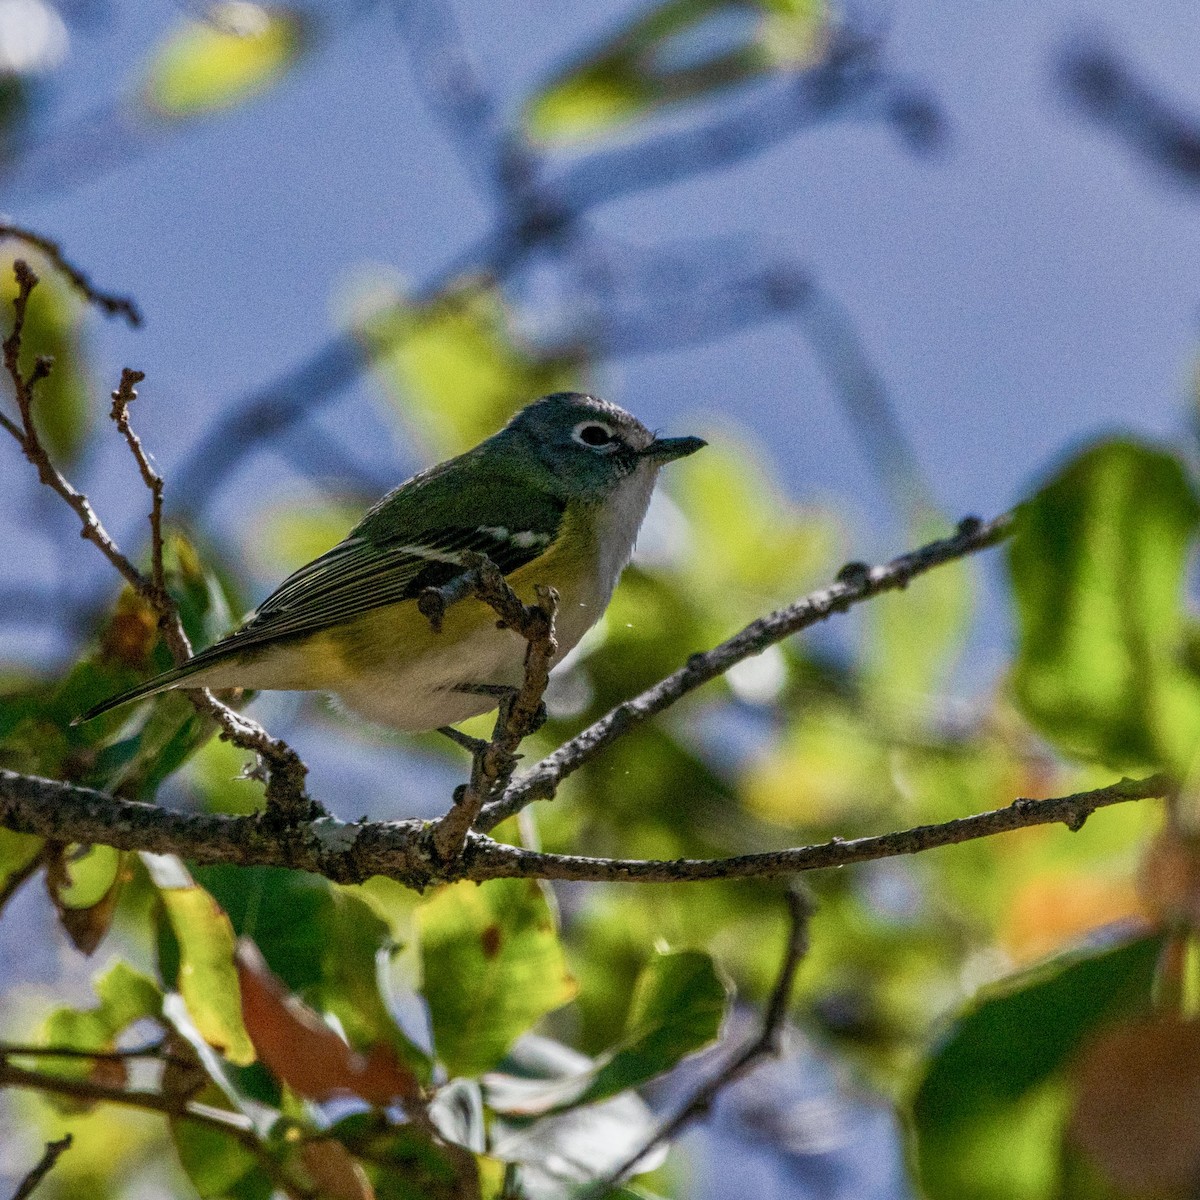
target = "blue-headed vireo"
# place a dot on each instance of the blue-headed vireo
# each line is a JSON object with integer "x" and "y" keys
{"x": 556, "y": 497}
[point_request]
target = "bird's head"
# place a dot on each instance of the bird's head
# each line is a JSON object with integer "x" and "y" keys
{"x": 589, "y": 445}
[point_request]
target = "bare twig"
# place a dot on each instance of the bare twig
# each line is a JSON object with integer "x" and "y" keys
{"x": 285, "y": 794}
{"x": 112, "y": 305}
{"x": 765, "y": 1044}
{"x": 350, "y": 853}
{"x": 850, "y": 81}
{"x": 121, "y": 400}
{"x": 54, "y": 1151}
{"x": 493, "y": 763}
{"x": 856, "y": 583}
{"x": 232, "y": 1125}
{"x": 155, "y": 1050}
{"x": 1110, "y": 91}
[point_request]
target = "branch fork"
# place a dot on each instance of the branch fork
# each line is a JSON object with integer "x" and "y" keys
{"x": 286, "y": 800}
{"x": 521, "y": 710}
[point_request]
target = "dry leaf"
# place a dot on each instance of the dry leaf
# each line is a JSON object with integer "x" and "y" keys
{"x": 302, "y": 1051}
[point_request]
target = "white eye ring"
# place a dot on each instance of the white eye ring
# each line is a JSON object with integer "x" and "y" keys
{"x": 584, "y": 427}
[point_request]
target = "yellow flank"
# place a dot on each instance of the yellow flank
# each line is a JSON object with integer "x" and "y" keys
{"x": 390, "y": 638}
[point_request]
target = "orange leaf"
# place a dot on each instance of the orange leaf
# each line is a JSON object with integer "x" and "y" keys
{"x": 302, "y": 1051}
{"x": 1057, "y": 909}
{"x": 334, "y": 1171}
{"x": 1169, "y": 878}
{"x": 1137, "y": 1111}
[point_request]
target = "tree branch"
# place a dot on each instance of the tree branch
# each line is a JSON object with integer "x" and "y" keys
{"x": 765, "y": 1044}
{"x": 493, "y": 762}
{"x": 350, "y": 853}
{"x": 285, "y": 772}
{"x": 232, "y": 1125}
{"x": 54, "y": 1151}
{"x": 856, "y": 583}
{"x": 111, "y": 304}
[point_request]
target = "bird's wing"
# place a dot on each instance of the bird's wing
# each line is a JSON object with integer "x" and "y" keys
{"x": 360, "y": 574}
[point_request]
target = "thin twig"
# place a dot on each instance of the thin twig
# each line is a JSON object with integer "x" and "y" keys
{"x": 286, "y": 798}
{"x": 232, "y": 1125}
{"x": 121, "y": 400}
{"x": 350, "y": 853}
{"x": 765, "y": 1044}
{"x": 856, "y": 583}
{"x": 111, "y": 304}
{"x": 54, "y": 1151}
{"x": 493, "y": 763}
{"x": 155, "y": 1050}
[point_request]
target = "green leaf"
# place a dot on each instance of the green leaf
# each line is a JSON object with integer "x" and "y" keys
{"x": 327, "y": 944}
{"x": 679, "y": 1003}
{"x": 492, "y": 966}
{"x": 218, "y": 1165}
{"x": 989, "y": 1111}
{"x": 684, "y": 50}
{"x": 1098, "y": 565}
{"x": 563, "y": 1149}
{"x": 453, "y": 366}
{"x": 89, "y": 875}
{"x": 124, "y": 995}
{"x": 17, "y": 851}
{"x": 914, "y": 636}
{"x": 207, "y": 977}
{"x": 204, "y": 66}
{"x": 53, "y": 328}
{"x": 404, "y": 1163}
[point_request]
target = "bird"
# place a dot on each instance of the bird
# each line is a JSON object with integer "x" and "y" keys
{"x": 554, "y": 498}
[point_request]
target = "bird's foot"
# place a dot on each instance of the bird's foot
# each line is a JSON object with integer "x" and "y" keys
{"x": 472, "y": 745}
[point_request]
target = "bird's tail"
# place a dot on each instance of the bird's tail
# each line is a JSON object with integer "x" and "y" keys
{"x": 160, "y": 683}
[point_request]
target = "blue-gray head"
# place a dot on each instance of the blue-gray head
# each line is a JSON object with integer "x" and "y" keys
{"x": 589, "y": 445}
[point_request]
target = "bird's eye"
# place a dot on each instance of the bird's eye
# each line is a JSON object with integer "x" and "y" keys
{"x": 593, "y": 434}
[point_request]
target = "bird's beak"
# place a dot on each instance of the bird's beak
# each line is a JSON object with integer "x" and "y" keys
{"x": 664, "y": 450}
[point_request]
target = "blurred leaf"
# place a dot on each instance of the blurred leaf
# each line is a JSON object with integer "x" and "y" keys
{"x": 1098, "y": 568}
{"x": 679, "y": 1003}
{"x": 560, "y": 1151}
{"x": 239, "y": 51}
{"x": 829, "y": 764}
{"x": 336, "y": 1175}
{"x": 492, "y": 967}
{"x": 14, "y": 105}
{"x": 53, "y": 327}
{"x": 283, "y": 538}
{"x": 914, "y": 637}
{"x": 989, "y": 1111}
{"x": 125, "y": 996}
{"x": 1137, "y": 1112}
{"x": 304, "y": 1052}
{"x": 403, "y": 1163}
{"x": 457, "y": 1113}
{"x": 683, "y": 50}
{"x": 36, "y": 734}
{"x": 453, "y": 366}
{"x": 1059, "y": 908}
{"x": 746, "y": 545}
{"x": 17, "y": 851}
{"x": 218, "y": 1165}
{"x": 207, "y": 980}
